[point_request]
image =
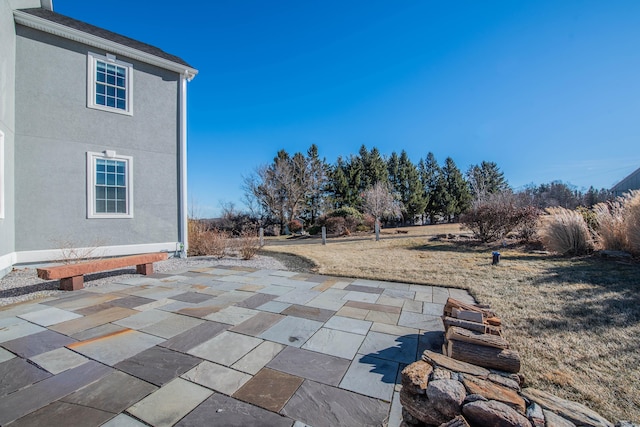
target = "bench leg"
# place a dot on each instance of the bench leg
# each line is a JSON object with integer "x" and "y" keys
{"x": 72, "y": 283}
{"x": 145, "y": 269}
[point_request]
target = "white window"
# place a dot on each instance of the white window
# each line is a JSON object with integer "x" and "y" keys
{"x": 109, "y": 185}
{"x": 2, "y": 178}
{"x": 109, "y": 84}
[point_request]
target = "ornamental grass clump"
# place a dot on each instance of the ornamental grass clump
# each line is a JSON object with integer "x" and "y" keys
{"x": 618, "y": 223}
{"x": 564, "y": 231}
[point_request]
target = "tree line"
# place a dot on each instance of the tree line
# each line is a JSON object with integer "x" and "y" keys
{"x": 304, "y": 186}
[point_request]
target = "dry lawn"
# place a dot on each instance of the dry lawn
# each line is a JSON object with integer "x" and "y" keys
{"x": 575, "y": 322}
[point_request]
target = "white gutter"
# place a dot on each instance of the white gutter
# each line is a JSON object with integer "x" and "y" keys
{"x": 184, "y": 238}
{"x": 60, "y": 30}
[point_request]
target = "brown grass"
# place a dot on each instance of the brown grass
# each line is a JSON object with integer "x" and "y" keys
{"x": 575, "y": 321}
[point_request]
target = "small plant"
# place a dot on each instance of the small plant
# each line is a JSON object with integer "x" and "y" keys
{"x": 335, "y": 225}
{"x": 203, "y": 241}
{"x": 564, "y": 231}
{"x": 295, "y": 225}
{"x": 71, "y": 254}
{"x": 248, "y": 244}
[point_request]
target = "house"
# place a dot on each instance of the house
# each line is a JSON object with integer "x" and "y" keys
{"x": 92, "y": 140}
{"x": 631, "y": 182}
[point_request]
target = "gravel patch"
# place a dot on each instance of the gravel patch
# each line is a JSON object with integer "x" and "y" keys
{"x": 23, "y": 284}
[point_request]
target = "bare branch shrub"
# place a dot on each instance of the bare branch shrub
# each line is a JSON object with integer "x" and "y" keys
{"x": 496, "y": 215}
{"x": 564, "y": 231}
{"x": 203, "y": 241}
{"x": 381, "y": 203}
{"x": 248, "y": 244}
{"x": 71, "y": 254}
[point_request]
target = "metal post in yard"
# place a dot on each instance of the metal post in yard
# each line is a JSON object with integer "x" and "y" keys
{"x": 324, "y": 235}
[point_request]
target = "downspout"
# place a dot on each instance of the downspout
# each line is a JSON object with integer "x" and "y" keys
{"x": 184, "y": 238}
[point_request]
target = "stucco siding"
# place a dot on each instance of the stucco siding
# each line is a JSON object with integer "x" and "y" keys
{"x": 54, "y": 131}
{"x": 7, "y": 127}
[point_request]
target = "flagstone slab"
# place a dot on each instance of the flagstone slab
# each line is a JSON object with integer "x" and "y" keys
{"x": 276, "y": 290}
{"x": 274, "y": 306}
{"x": 371, "y": 376}
{"x": 440, "y": 295}
{"x": 5, "y": 355}
{"x": 158, "y": 365}
{"x": 220, "y": 410}
{"x": 117, "y": 347}
{"x": 143, "y": 319}
{"x": 17, "y": 373}
{"x": 269, "y": 389}
{"x": 172, "y": 326}
{"x": 232, "y": 315}
{"x": 413, "y": 306}
{"x": 382, "y": 317}
{"x": 298, "y": 296}
{"x": 368, "y": 283}
{"x": 394, "y": 329}
{"x": 432, "y": 309}
{"x": 225, "y": 348}
{"x": 392, "y": 301}
{"x": 292, "y": 331}
{"x": 311, "y": 313}
{"x": 12, "y": 328}
{"x": 30, "y": 399}
{"x": 114, "y": 393}
{"x": 257, "y": 358}
{"x": 71, "y": 327}
{"x": 200, "y": 312}
{"x": 390, "y": 347}
{"x": 257, "y": 324}
{"x": 61, "y": 413}
{"x": 217, "y": 377}
{"x": 365, "y": 289}
{"x": 374, "y": 307}
{"x": 192, "y": 297}
{"x": 84, "y": 299}
{"x": 162, "y": 408}
{"x": 420, "y": 321}
{"x": 256, "y": 300}
{"x": 336, "y": 343}
{"x": 311, "y": 365}
{"x": 354, "y": 313}
{"x": 195, "y": 336}
{"x": 58, "y": 360}
{"x": 320, "y": 405}
{"x": 327, "y": 302}
{"x": 97, "y": 332}
{"x": 49, "y": 316}
{"x": 348, "y": 324}
{"x": 131, "y": 301}
{"x": 123, "y": 420}
{"x": 361, "y": 296}
{"x": 37, "y": 343}
{"x": 397, "y": 293}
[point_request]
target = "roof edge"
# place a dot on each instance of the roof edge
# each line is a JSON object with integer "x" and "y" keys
{"x": 623, "y": 180}
{"x": 59, "y": 30}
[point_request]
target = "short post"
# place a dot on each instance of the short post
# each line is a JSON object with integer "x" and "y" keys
{"x": 261, "y": 236}
{"x": 324, "y": 235}
{"x": 377, "y": 229}
{"x": 496, "y": 258}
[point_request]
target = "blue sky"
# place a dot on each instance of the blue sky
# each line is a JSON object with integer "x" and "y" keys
{"x": 549, "y": 90}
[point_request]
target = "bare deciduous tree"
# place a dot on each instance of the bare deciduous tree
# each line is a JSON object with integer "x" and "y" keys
{"x": 379, "y": 202}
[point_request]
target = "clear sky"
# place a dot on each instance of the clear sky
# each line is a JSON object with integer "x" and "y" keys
{"x": 549, "y": 90}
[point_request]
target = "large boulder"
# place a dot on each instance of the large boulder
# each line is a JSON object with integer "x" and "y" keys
{"x": 421, "y": 408}
{"x": 446, "y": 396}
{"x": 572, "y": 411}
{"x": 493, "y": 391}
{"x": 415, "y": 377}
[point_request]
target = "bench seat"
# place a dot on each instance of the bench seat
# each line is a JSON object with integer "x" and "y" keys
{"x": 72, "y": 275}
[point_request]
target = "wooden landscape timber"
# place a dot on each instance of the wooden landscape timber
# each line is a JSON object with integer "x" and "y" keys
{"x": 487, "y": 357}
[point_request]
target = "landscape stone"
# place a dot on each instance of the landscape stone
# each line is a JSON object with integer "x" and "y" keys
{"x": 505, "y": 381}
{"x": 269, "y": 389}
{"x": 535, "y": 415}
{"x": 38, "y": 343}
{"x": 58, "y": 360}
{"x": 62, "y": 413}
{"x": 494, "y": 391}
{"x": 474, "y": 398}
{"x": 257, "y": 358}
{"x": 217, "y": 377}
{"x": 453, "y": 364}
{"x": 235, "y": 347}
{"x": 158, "y": 365}
{"x": 493, "y": 414}
{"x": 415, "y": 377}
{"x": 423, "y": 409}
{"x": 187, "y": 340}
{"x": 17, "y": 373}
{"x": 441, "y": 374}
{"x": 336, "y": 343}
{"x": 446, "y": 396}
{"x": 554, "y": 420}
{"x": 311, "y": 365}
{"x": 573, "y": 411}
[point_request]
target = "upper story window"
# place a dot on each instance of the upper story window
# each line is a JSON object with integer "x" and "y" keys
{"x": 109, "y": 84}
{"x": 109, "y": 185}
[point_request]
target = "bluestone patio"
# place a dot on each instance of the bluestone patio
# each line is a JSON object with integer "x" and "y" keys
{"x": 217, "y": 346}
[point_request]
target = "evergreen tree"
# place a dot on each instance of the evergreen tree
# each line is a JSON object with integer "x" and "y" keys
{"x": 410, "y": 188}
{"x": 318, "y": 178}
{"x": 393, "y": 172}
{"x": 486, "y": 179}
{"x": 457, "y": 198}
{"x": 434, "y": 188}
{"x": 338, "y": 184}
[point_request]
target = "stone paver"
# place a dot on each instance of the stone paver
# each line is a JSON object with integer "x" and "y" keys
{"x": 162, "y": 408}
{"x": 217, "y": 346}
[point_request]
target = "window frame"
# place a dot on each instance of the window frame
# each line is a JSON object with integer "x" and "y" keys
{"x": 92, "y": 61}
{"x": 91, "y": 184}
{"x": 2, "y": 176}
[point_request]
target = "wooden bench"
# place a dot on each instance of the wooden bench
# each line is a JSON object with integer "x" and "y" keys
{"x": 72, "y": 275}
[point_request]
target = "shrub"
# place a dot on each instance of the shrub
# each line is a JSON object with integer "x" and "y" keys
{"x": 564, "y": 231}
{"x": 345, "y": 212}
{"x": 496, "y": 216}
{"x": 248, "y": 244}
{"x": 618, "y": 223}
{"x": 203, "y": 241}
{"x": 335, "y": 225}
{"x": 295, "y": 225}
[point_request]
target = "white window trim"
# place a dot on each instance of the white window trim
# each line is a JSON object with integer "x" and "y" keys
{"x": 91, "y": 83}
{"x": 2, "y": 177}
{"x": 91, "y": 175}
